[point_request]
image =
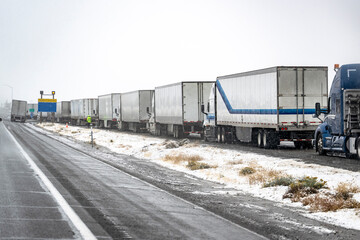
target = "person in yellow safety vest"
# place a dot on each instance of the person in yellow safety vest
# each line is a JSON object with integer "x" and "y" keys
{"x": 88, "y": 120}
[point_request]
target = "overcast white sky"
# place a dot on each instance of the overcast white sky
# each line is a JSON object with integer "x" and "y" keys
{"x": 86, "y": 48}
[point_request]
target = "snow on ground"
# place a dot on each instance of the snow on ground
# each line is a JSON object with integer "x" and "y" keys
{"x": 225, "y": 166}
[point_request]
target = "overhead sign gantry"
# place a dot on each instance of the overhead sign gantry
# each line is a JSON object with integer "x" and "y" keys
{"x": 47, "y": 104}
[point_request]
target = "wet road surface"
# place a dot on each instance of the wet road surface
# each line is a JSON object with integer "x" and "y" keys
{"x": 112, "y": 203}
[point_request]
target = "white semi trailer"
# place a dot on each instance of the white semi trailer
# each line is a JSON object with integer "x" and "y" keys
{"x": 177, "y": 109}
{"x": 18, "y": 110}
{"x": 82, "y": 108}
{"x": 135, "y": 110}
{"x": 109, "y": 110}
{"x": 266, "y": 106}
{"x": 63, "y": 111}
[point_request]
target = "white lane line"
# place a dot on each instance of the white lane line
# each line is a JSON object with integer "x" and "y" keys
{"x": 74, "y": 218}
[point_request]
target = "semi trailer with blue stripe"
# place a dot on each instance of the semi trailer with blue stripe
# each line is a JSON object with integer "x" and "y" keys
{"x": 266, "y": 106}
{"x": 340, "y": 131}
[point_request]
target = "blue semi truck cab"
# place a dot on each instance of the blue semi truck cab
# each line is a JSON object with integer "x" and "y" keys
{"x": 340, "y": 130}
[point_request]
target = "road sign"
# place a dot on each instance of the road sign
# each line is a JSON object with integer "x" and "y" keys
{"x": 46, "y": 105}
{"x": 31, "y": 110}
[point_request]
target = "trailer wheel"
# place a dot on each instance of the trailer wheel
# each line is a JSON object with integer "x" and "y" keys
{"x": 218, "y": 133}
{"x": 223, "y": 135}
{"x": 266, "y": 140}
{"x": 175, "y": 132}
{"x": 260, "y": 139}
{"x": 319, "y": 145}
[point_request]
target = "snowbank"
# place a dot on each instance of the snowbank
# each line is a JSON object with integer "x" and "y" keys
{"x": 225, "y": 166}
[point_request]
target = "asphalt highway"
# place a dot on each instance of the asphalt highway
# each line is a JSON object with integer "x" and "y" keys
{"x": 98, "y": 197}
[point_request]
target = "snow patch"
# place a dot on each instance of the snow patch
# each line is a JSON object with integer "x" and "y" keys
{"x": 226, "y": 165}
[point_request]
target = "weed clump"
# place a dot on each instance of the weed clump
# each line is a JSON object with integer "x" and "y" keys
{"x": 178, "y": 158}
{"x": 304, "y": 187}
{"x": 195, "y": 165}
{"x": 280, "y": 181}
{"x": 247, "y": 171}
{"x": 263, "y": 175}
{"x": 236, "y": 162}
{"x": 346, "y": 190}
{"x": 329, "y": 202}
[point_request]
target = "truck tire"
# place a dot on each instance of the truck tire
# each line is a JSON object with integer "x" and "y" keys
{"x": 320, "y": 145}
{"x": 178, "y": 132}
{"x": 223, "y": 135}
{"x": 266, "y": 140}
{"x": 175, "y": 132}
{"x": 218, "y": 135}
{"x": 260, "y": 139}
{"x": 358, "y": 148}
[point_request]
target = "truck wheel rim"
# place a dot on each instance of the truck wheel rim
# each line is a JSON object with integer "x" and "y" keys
{"x": 320, "y": 144}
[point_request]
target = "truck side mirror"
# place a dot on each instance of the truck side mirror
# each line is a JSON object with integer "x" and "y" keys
{"x": 115, "y": 110}
{"x": 203, "y": 109}
{"x": 0, "y": 119}
{"x": 94, "y": 112}
{"x": 317, "y": 109}
{"x": 147, "y": 110}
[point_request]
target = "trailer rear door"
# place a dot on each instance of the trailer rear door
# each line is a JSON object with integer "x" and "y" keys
{"x": 299, "y": 89}
{"x": 190, "y": 102}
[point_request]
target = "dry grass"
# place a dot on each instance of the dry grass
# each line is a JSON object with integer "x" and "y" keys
{"x": 263, "y": 175}
{"x": 124, "y": 146}
{"x": 247, "y": 171}
{"x": 193, "y": 161}
{"x": 307, "y": 191}
{"x": 325, "y": 203}
{"x": 346, "y": 190}
{"x": 193, "y": 144}
{"x": 178, "y": 158}
{"x": 195, "y": 165}
{"x": 236, "y": 162}
{"x": 304, "y": 187}
{"x": 280, "y": 181}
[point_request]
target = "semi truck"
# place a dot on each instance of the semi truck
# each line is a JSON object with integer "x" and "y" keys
{"x": 340, "y": 130}
{"x": 110, "y": 111}
{"x": 82, "y": 108}
{"x": 63, "y": 112}
{"x": 266, "y": 106}
{"x": 177, "y": 109}
{"x": 135, "y": 110}
{"x": 18, "y": 110}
